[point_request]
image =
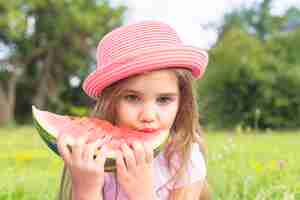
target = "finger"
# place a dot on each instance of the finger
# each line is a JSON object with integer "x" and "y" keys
{"x": 139, "y": 152}
{"x": 106, "y": 139}
{"x": 148, "y": 153}
{"x": 78, "y": 147}
{"x": 121, "y": 167}
{"x": 129, "y": 156}
{"x": 63, "y": 149}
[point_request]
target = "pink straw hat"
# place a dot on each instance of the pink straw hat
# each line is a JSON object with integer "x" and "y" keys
{"x": 138, "y": 48}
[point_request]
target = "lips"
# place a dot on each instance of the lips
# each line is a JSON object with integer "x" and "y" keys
{"x": 149, "y": 130}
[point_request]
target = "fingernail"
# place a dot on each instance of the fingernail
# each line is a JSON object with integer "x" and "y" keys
{"x": 69, "y": 140}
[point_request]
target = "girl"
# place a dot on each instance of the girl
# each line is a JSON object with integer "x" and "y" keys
{"x": 143, "y": 81}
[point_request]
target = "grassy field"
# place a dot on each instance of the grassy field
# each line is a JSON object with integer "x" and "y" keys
{"x": 241, "y": 166}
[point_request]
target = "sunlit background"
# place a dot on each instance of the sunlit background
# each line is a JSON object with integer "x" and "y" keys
{"x": 249, "y": 98}
{"x": 194, "y": 19}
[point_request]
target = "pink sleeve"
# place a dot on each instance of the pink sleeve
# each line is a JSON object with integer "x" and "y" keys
{"x": 196, "y": 168}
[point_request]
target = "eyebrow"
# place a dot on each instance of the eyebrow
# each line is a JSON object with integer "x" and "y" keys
{"x": 159, "y": 94}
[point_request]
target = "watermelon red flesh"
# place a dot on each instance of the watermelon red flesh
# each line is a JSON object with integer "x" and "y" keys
{"x": 98, "y": 129}
{"x": 50, "y": 125}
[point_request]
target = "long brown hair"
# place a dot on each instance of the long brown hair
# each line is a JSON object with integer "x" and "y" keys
{"x": 186, "y": 126}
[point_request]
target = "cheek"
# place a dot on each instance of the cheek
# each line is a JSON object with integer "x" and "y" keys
{"x": 125, "y": 115}
{"x": 168, "y": 114}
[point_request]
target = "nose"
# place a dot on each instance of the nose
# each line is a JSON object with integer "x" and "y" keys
{"x": 148, "y": 114}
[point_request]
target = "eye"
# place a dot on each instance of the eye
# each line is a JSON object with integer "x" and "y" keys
{"x": 164, "y": 100}
{"x": 131, "y": 98}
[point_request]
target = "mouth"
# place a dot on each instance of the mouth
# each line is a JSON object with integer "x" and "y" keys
{"x": 149, "y": 130}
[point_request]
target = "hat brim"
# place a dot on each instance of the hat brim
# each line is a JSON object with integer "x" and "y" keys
{"x": 144, "y": 60}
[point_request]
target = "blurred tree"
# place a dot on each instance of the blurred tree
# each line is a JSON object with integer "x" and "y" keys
{"x": 256, "y": 20}
{"x": 50, "y": 42}
{"x": 229, "y": 90}
{"x": 281, "y": 81}
{"x": 253, "y": 78}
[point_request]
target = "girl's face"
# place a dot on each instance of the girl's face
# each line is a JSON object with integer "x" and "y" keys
{"x": 149, "y": 101}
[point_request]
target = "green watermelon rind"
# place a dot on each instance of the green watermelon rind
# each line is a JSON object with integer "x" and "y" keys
{"x": 110, "y": 163}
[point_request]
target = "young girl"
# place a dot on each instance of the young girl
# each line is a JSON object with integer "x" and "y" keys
{"x": 144, "y": 81}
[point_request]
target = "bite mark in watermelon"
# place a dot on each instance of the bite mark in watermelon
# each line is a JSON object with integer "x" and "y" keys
{"x": 50, "y": 125}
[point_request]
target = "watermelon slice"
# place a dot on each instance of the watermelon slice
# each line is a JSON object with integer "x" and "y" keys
{"x": 50, "y": 125}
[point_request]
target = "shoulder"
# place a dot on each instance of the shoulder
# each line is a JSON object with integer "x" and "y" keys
{"x": 196, "y": 159}
{"x": 196, "y": 167}
{"x": 197, "y": 156}
{"x": 195, "y": 181}
{"x": 194, "y": 174}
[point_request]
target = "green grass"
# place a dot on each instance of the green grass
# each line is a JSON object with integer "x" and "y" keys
{"x": 28, "y": 170}
{"x": 240, "y": 166}
{"x": 254, "y": 166}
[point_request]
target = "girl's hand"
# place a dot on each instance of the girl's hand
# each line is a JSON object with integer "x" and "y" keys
{"x": 87, "y": 173}
{"x": 135, "y": 171}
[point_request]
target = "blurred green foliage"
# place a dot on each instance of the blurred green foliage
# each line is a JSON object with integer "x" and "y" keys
{"x": 253, "y": 79}
{"x": 50, "y": 43}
